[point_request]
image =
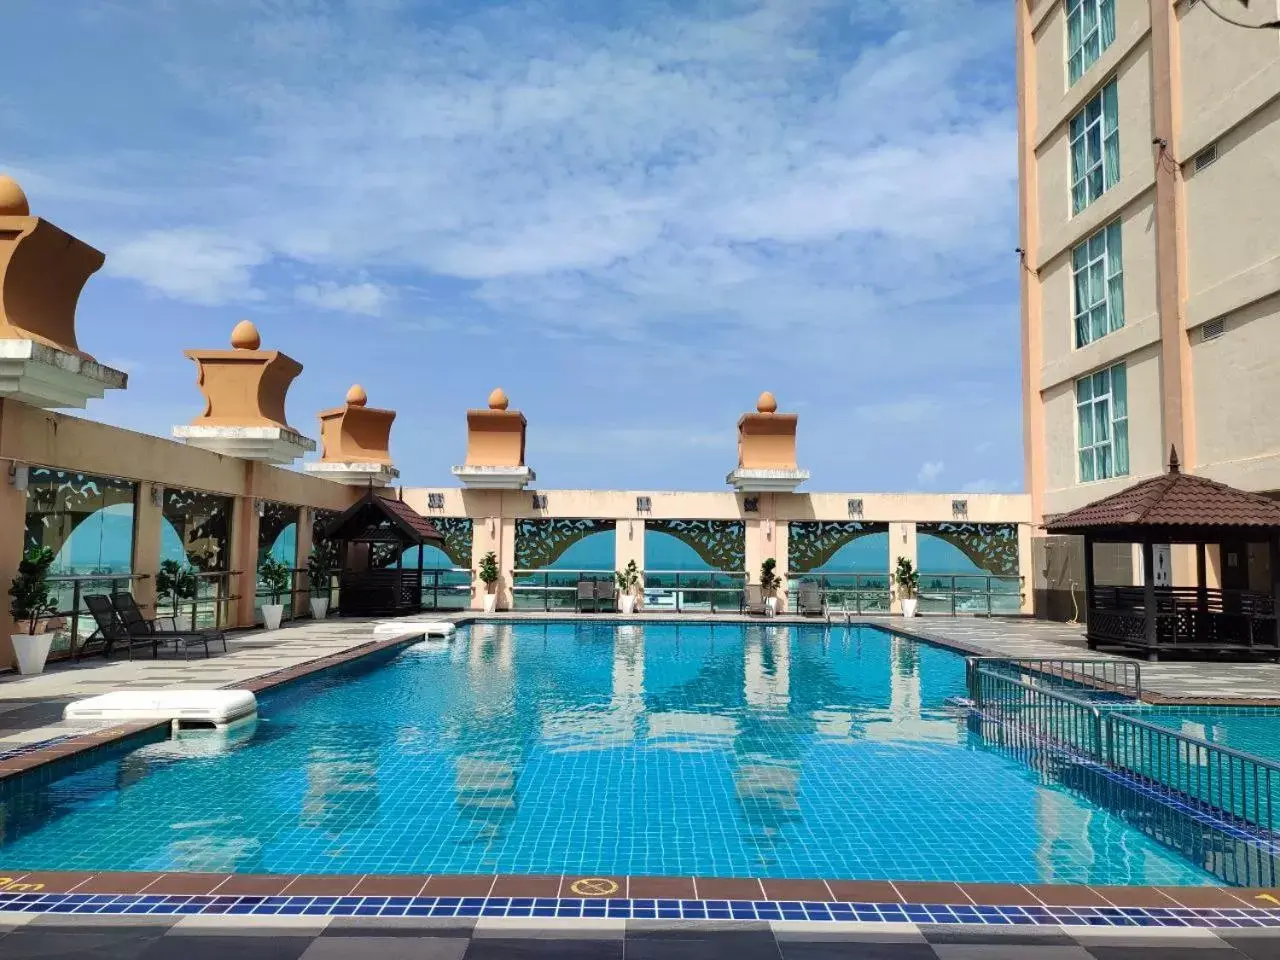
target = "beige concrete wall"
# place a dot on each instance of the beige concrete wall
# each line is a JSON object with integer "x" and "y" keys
{"x": 1145, "y": 455}
{"x": 1053, "y": 159}
{"x": 42, "y": 438}
{"x": 1050, "y": 44}
{"x": 1227, "y": 72}
{"x": 1232, "y": 212}
{"x": 1237, "y": 377}
{"x": 1061, "y": 360}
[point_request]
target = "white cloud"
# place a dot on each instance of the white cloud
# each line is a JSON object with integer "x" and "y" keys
{"x": 198, "y": 265}
{"x": 929, "y": 473}
{"x": 366, "y": 298}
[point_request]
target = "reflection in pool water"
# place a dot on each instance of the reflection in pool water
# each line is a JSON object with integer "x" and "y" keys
{"x": 595, "y": 748}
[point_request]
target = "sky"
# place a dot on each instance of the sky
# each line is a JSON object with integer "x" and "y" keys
{"x": 632, "y": 217}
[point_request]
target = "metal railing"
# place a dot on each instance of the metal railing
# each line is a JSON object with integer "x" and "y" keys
{"x": 698, "y": 591}
{"x": 1026, "y": 712}
{"x": 72, "y": 621}
{"x": 679, "y": 591}
{"x": 1225, "y": 780}
{"x": 982, "y": 594}
{"x": 855, "y": 593}
{"x": 1232, "y": 785}
{"x": 1117, "y": 676}
{"x": 446, "y": 589}
{"x": 208, "y": 608}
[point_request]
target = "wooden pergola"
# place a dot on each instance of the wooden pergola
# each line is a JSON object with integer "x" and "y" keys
{"x": 1179, "y": 508}
{"x": 374, "y": 526}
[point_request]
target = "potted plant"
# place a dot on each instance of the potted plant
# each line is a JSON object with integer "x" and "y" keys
{"x": 319, "y": 568}
{"x": 769, "y": 584}
{"x": 274, "y": 577}
{"x": 489, "y": 576}
{"x": 628, "y": 579}
{"x": 176, "y": 582}
{"x": 30, "y": 602}
{"x": 908, "y": 581}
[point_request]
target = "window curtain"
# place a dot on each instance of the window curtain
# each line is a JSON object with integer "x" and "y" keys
{"x": 1107, "y": 16}
{"x": 1079, "y": 163}
{"x": 1120, "y": 416}
{"x": 1110, "y": 135}
{"x": 1079, "y": 265}
{"x": 1115, "y": 277}
{"x": 1074, "y": 35}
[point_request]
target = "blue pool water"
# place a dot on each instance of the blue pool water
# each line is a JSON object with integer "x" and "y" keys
{"x": 595, "y": 748}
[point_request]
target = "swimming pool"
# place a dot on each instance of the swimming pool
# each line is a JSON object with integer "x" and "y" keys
{"x": 597, "y": 748}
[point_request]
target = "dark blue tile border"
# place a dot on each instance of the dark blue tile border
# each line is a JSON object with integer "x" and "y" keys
{"x": 623, "y": 909}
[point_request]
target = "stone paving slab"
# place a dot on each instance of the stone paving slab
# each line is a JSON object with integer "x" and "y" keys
{"x": 1214, "y": 682}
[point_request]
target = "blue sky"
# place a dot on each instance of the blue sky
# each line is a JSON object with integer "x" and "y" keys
{"x": 634, "y": 217}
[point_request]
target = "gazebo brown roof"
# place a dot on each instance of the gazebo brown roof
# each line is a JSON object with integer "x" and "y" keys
{"x": 1173, "y": 500}
{"x": 407, "y": 525}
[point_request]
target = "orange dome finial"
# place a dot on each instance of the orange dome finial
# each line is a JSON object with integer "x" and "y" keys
{"x": 498, "y": 399}
{"x": 356, "y": 396}
{"x": 767, "y": 403}
{"x": 245, "y": 336}
{"x": 13, "y": 202}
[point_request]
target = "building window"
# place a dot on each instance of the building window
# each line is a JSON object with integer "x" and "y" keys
{"x": 1095, "y": 148}
{"x": 1102, "y": 412}
{"x": 1097, "y": 269}
{"x": 1091, "y": 26}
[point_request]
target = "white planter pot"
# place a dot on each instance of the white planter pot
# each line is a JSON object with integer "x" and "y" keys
{"x": 909, "y": 607}
{"x": 770, "y": 606}
{"x": 319, "y": 608}
{"x": 627, "y": 603}
{"x": 490, "y": 602}
{"x": 32, "y": 650}
{"x": 271, "y": 614}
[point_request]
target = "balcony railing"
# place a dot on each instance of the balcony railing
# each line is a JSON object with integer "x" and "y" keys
{"x": 72, "y": 623}
{"x": 855, "y": 593}
{"x": 982, "y": 594}
{"x": 676, "y": 591}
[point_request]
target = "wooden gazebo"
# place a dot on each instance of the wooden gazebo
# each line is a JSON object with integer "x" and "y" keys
{"x": 368, "y": 534}
{"x": 1179, "y": 508}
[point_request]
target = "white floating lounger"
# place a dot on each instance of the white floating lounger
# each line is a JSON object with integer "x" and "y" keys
{"x": 185, "y": 708}
{"x": 431, "y": 628}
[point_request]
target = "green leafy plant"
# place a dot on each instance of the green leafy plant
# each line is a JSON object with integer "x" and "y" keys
{"x": 175, "y": 582}
{"x": 769, "y": 580}
{"x": 628, "y": 578}
{"x": 489, "y": 573}
{"x": 274, "y": 577}
{"x": 320, "y": 564}
{"x": 30, "y": 597}
{"x": 907, "y": 579}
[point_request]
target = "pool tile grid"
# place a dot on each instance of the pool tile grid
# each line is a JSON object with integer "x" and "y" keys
{"x": 585, "y": 908}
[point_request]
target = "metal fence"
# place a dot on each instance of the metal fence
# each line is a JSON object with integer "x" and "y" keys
{"x": 981, "y": 594}
{"x": 1232, "y": 785}
{"x": 72, "y": 623}
{"x": 1113, "y": 676}
{"x": 855, "y": 593}
{"x": 1225, "y": 780}
{"x": 677, "y": 591}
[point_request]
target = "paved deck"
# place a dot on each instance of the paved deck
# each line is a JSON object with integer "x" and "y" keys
{"x": 1223, "y": 682}
{"x": 359, "y": 938}
{"x": 31, "y": 707}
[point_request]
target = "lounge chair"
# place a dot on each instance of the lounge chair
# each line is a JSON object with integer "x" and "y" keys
{"x": 606, "y": 596}
{"x": 753, "y": 600}
{"x": 586, "y": 594}
{"x": 111, "y": 634}
{"x": 139, "y": 626}
{"x": 809, "y": 600}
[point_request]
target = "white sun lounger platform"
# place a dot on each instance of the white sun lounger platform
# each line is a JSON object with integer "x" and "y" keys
{"x": 184, "y": 708}
{"x": 430, "y": 628}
